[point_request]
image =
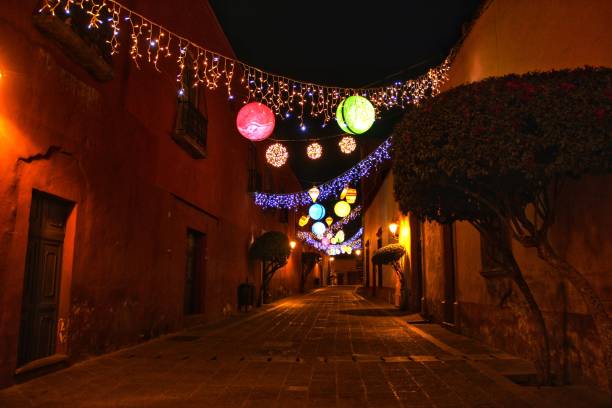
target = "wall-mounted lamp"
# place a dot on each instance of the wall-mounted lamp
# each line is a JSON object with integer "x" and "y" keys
{"x": 292, "y": 244}
{"x": 393, "y": 228}
{"x": 331, "y": 258}
{"x": 358, "y": 252}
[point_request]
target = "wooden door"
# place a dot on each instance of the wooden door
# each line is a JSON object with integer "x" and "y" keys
{"x": 193, "y": 272}
{"x": 449, "y": 274}
{"x": 48, "y": 216}
{"x": 416, "y": 267}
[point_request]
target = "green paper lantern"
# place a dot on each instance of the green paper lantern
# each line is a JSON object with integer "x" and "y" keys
{"x": 355, "y": 115}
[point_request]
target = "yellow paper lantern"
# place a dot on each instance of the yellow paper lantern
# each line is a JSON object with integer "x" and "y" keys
{"x": 342, "y": 209}
{"x": 343, "y": 193}
{"x": 303, "y": 220}
{"x": 351, "y": 195}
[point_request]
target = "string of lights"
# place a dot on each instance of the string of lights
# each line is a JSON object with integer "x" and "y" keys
{"x": 331, "y": 187}
{"x": 151, "y": 42}
{"x": 333, "y": 249}
{"x": 336, "y": 226}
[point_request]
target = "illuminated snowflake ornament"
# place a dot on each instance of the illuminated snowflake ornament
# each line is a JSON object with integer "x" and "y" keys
{"x": 277, "y": 154}
{"x": 347, "y": 144}
{"x": 314, "y": 151}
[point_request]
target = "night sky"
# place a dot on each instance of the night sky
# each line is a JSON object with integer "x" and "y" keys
{"x": 344, "y": 43}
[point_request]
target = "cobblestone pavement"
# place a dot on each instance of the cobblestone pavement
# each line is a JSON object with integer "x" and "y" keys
{"x": 330, "y": 348}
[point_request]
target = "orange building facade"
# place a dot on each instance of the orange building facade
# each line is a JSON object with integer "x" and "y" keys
{"x": 447, "y": 280}
{"x": 112, "y": 231}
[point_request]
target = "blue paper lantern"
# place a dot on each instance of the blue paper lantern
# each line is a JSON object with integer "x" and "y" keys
{"x": 316, "y": 212}
{"x": 318, "y": 228}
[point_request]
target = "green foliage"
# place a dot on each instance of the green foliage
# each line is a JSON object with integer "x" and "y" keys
{"x": 388, "y": 254}
{"x": 271, "y": 246}
{"x": 502, "y": 140}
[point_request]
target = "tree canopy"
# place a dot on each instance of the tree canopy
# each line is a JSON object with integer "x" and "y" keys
{"x": 388, "y": 254}
{"x": 271, "y": 246}
{"x": 507, "y": 136}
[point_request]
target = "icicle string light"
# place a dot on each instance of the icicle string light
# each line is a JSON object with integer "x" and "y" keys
{"x": 329, "y": 188}
{"x": 151, "y": 42}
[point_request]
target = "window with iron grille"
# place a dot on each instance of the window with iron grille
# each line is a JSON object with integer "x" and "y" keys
{"x": 254, "y": 173}
{"x": 191, "y": 127}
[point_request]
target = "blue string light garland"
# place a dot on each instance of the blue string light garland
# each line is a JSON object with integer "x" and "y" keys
{"x": 331, "y": 187}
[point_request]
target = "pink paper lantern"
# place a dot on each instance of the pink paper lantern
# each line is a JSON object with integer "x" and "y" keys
{"x": 255, "y": 121}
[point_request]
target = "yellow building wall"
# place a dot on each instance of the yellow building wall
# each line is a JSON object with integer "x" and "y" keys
{"x": 519, "y": 36}
{"x": 382, "y": 211}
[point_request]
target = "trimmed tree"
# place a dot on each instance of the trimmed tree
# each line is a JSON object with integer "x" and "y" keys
{"x": 309, "y": 260}
{"x": 495, "y": 153}
{"x": 273, "y": 250}
{"x": 391, "y": 255}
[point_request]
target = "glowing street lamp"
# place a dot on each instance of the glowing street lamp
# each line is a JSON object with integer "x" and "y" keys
{"x": 393, "y": 228}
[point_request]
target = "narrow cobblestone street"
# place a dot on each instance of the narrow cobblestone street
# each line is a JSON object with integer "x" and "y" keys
{"x": 330, "y": 348}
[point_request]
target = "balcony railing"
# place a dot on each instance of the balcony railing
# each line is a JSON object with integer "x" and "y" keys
{"x": 191, "y": 129}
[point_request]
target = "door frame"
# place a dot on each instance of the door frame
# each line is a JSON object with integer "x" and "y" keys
{"x": 61, "y": 346}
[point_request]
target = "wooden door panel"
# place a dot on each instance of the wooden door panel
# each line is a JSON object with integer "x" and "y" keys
{"x": 50, "y": 268}
{"x": 48, "y": 216}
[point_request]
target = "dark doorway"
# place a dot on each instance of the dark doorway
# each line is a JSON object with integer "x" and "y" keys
{"x": 379, "y": 268}
{"x": 416, "y": 267}
{"x": 193, "y": 272}
{"x": 48, "y": 216}
{"x": 449, "y": 274}
{"x": 367, "y": 264}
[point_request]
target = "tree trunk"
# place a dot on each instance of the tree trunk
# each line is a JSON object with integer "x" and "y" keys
{"x": 543, "y": 356}
{"x": 597, "y": 310}
{"x": 507, "y": 260}
{"x": 403, "y": 287}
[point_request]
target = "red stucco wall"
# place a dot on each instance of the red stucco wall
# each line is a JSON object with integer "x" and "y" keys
{"x": 136, "y": 191}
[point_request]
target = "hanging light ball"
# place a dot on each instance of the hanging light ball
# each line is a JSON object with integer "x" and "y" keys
{"x": 318, "y": 228}
{"x": 342, "y": 209}
{"x": 277, "y": 154}
{"x": 255, "y": 121}
{"x": 314, "y": 151}
{"x": 355, "y": 115}
{"x": 316, "y": 212}
{"x": 347, "y": 144}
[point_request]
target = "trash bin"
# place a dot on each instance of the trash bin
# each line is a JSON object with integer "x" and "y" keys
{"x": 246, "y": 296}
